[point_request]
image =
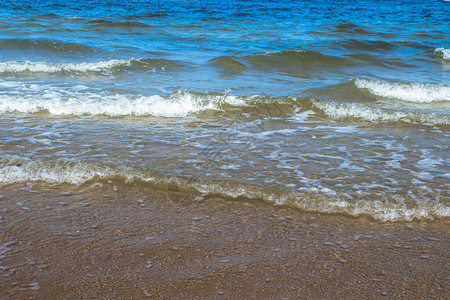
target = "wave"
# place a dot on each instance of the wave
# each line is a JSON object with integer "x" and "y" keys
{"x": 180, "y": 104}
{"x": 124, "y": 24}
{"x": 343, "y": 111}
{"x": 351, "y": 28}
{"x": 297, "y": 60}
{"x": 406, "y": 91}
{"x": 187, "y": 104}
{"x": 113, "y": 65}
{"x": 20, "y": 170}
{"x": 379, "y": 60}
{"x": 442, "y": 53}
{"x": 229, "y": 62}
{"x": 45, "y": 44}
{"x": 368, "y": 45}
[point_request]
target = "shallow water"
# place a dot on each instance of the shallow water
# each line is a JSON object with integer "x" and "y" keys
{"x": 327, "y": 107}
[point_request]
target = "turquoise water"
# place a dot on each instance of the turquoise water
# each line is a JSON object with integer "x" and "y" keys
{"x": 327, "y": 106}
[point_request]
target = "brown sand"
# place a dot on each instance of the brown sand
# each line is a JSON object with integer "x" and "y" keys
{"x": 139, "y": 242}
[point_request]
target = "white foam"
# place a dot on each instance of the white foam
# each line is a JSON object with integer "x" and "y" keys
{"x": 13, "y": 170}
{"x": 302, "y": 117}
{"x": 442, "y": 53}
{"x": 44, "y": 67}
{"x": 406, "y": 91}
{"x": 326, "y": 200}
{"x": 374, "y": 114}
{"x": 179, "y": 104}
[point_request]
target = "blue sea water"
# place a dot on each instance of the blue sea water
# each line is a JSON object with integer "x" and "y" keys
{"x": 329, "y": 106}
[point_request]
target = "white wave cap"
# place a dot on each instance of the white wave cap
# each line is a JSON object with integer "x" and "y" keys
{"x": 406, "y": 91}
{"x": 44, "y": 67}
{"x": 375, "y": 114}
{"x": 15, "y": 169}
{"x": 75, "y": 174}
{"x": 442, "y": 53}
{"x": 179, "y": 104}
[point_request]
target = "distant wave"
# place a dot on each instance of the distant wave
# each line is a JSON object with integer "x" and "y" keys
{"x": 351, "y": 28}
{"x": 18, "y": 169}
{"x": 406, "y": 91}
{"x": 124, "y": 24}
{"x": 114, "y": 64}
{"x": 45, "y": 44}
{"x": 442, "y": 53}
{"x": 368, "y": 45}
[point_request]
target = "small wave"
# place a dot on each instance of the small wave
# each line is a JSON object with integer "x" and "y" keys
{"x": 180, "y": 104}
{"x": 124, "y": 24}
{"x": 442, "y": 53}
{"x": 380, "y": 60}
{"x": 406, "y": 91}
{"x": 367, "y": 45}
{"x": 297, "y": 60}
{"x": 351, "y": 28}
{"x": 45, "y": 44}
{"x": 114, "y": 64}
{"x": 229, "y": 62}
{"x": 21, "y": 170}
{"x": 344, "y": 111}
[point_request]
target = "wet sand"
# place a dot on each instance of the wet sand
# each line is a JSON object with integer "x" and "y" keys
{"x": 120, "y": 241}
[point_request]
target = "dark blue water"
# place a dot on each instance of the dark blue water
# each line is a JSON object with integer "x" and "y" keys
{"x": 332, "y": 106}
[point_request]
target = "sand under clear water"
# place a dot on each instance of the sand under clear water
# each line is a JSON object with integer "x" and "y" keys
{"x": 105, "y": 241}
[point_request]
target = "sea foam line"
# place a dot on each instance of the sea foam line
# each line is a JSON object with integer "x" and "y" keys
{"x": 406, "y": 91}
{"x": 45, "y": 67}
{"x": 19, "y": 170}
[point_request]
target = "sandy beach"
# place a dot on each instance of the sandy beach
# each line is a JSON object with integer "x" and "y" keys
{"x": 112, "y": 241}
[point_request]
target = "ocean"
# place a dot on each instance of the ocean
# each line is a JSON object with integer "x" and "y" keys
{"x": 327, "y": 106}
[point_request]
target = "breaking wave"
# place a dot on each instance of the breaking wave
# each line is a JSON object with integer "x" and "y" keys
{"x": 337, "y": 110}
{"x": 114, "y": 64}
{"x": 442, "y": 53}
{"x": 406, "y": 91}
{"x": 186, "y": 104}
{"x": 179, "y": 104}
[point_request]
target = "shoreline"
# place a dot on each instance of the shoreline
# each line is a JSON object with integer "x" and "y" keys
{"x": 63, "y": 241}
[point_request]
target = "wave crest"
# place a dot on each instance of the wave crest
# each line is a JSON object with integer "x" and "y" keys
{"x": 442, "y": 53}
{"x": 340, "y": 111}
{"x": 406, "y": 91}
{"x": 179, "y": 104}
{"x": 84, "y": 67}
